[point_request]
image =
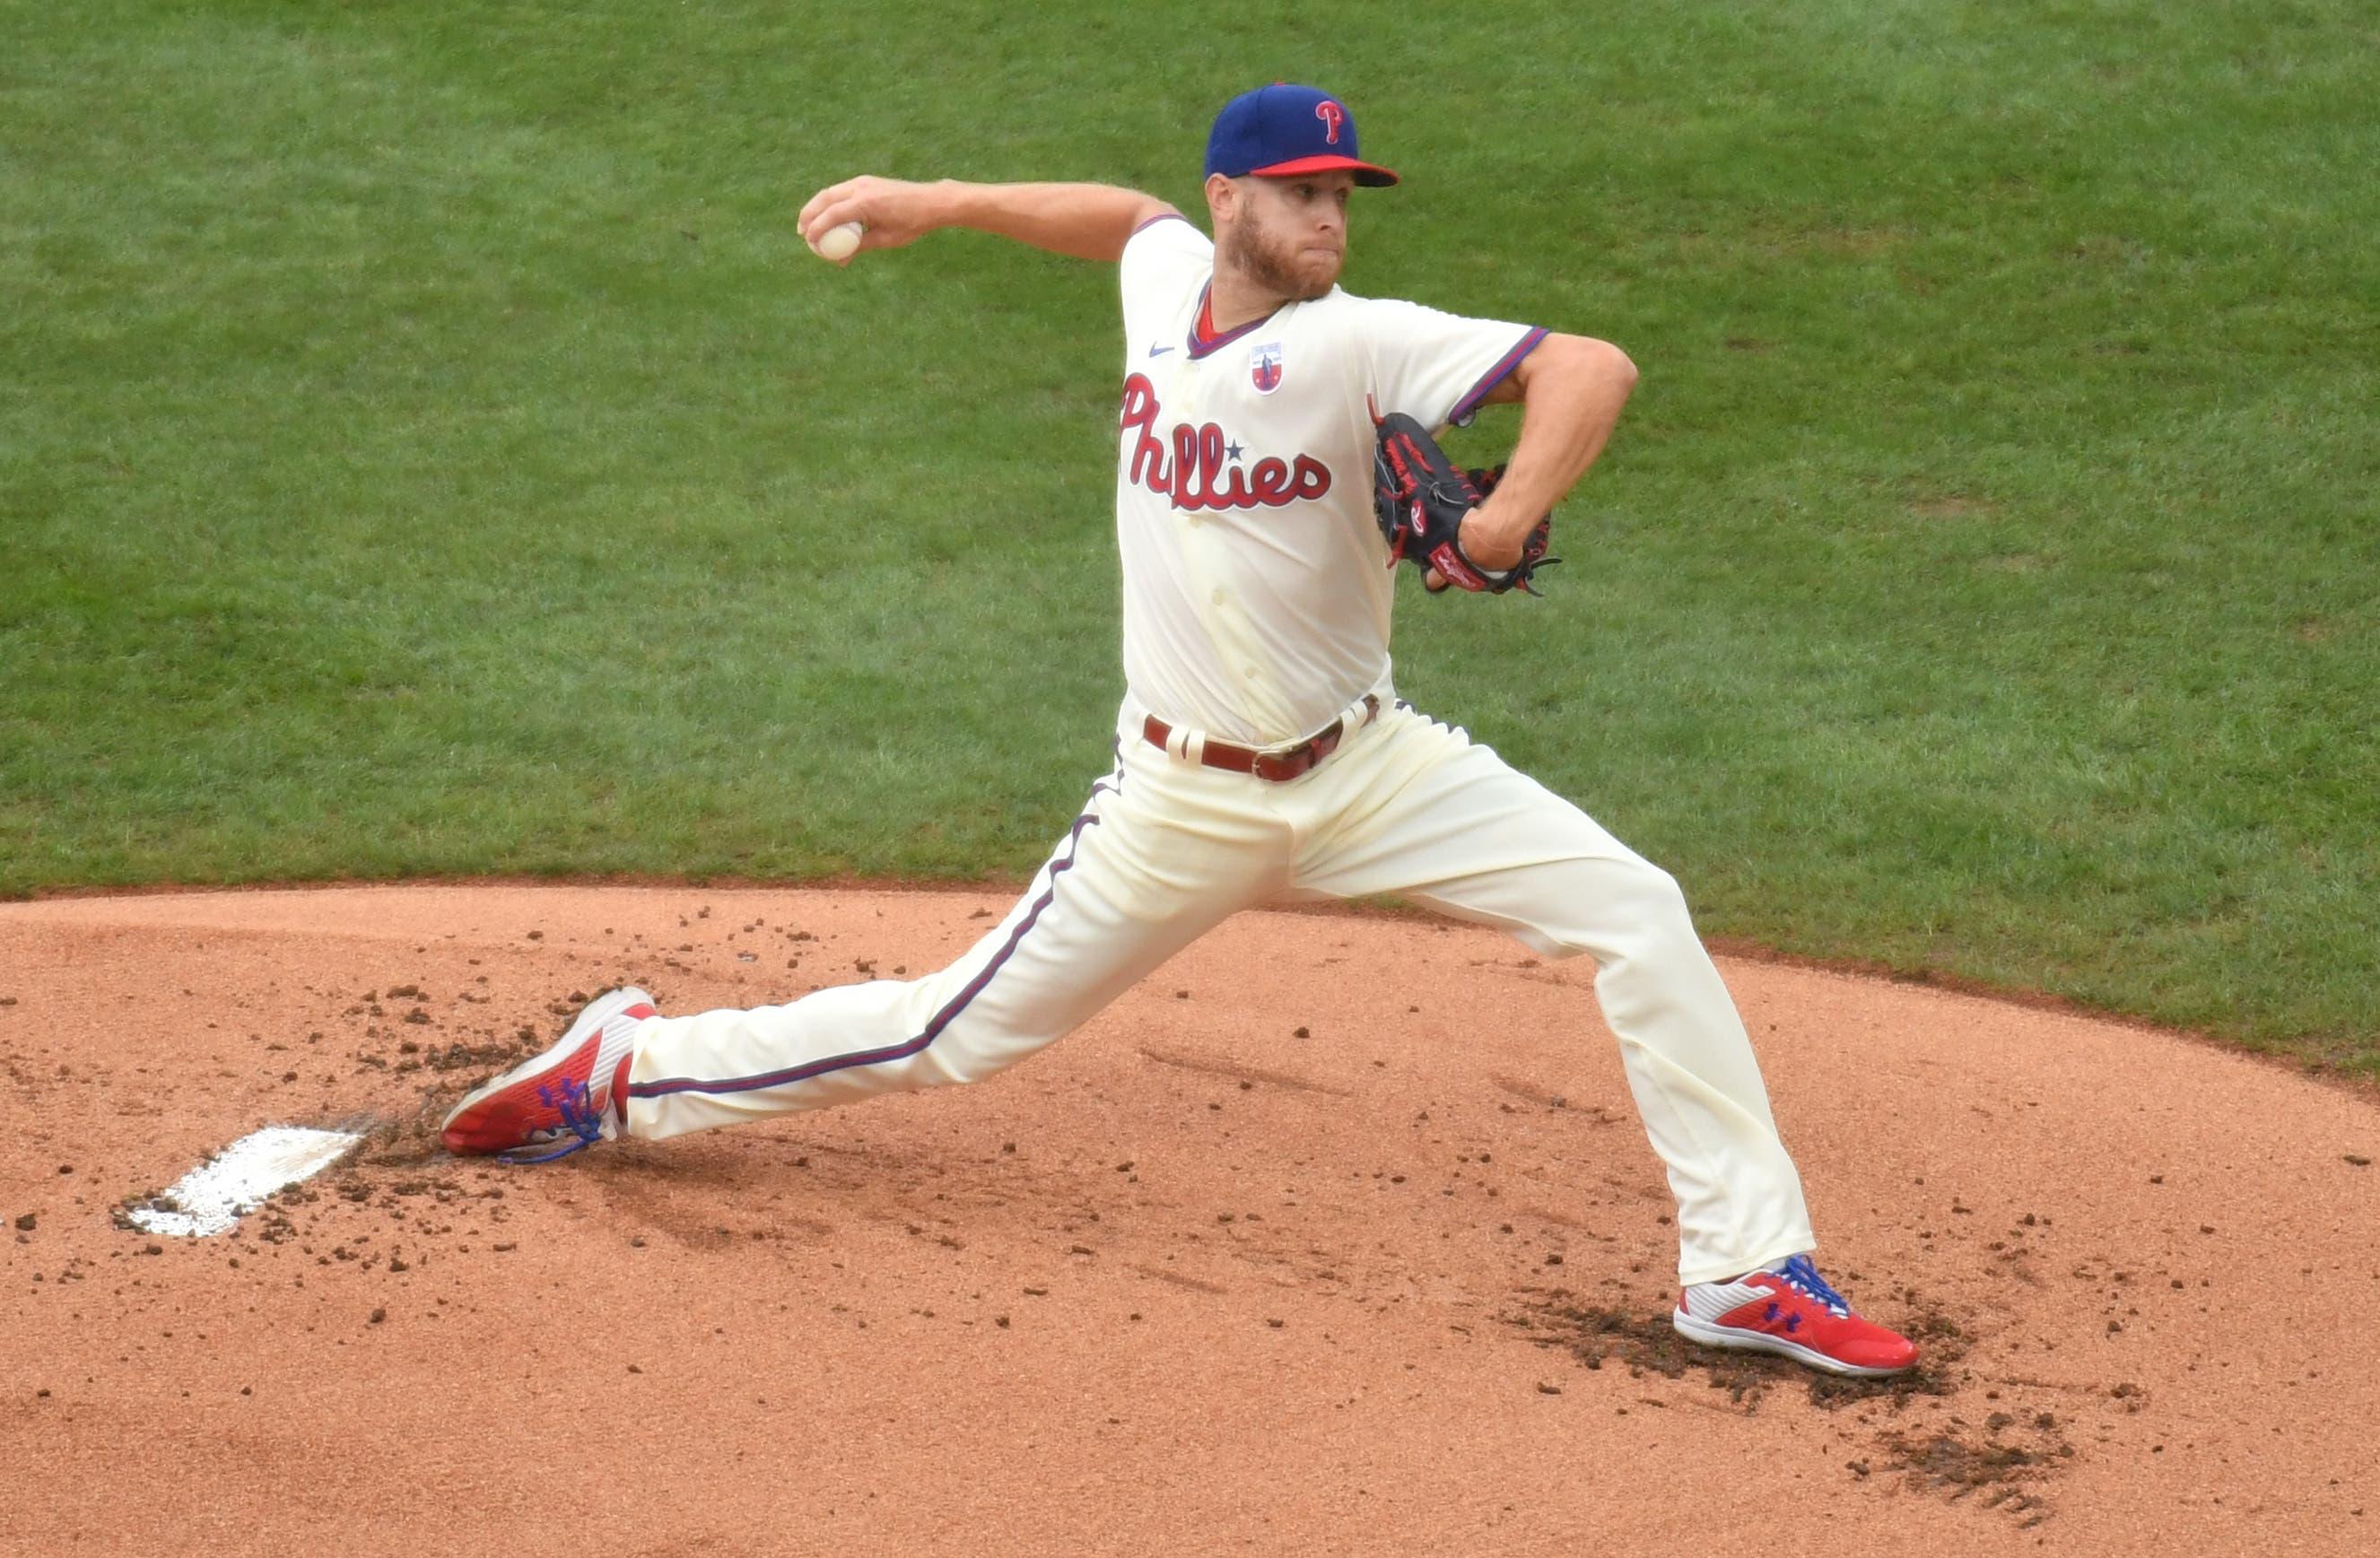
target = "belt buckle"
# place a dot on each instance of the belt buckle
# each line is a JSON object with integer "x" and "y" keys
{"x": 1300, "y": 759}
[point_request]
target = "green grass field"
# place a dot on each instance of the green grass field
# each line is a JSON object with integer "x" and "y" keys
{"x": 425, "y": 448}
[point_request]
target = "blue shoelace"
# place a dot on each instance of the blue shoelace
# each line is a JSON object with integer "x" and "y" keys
{"x": 575, "y": 1102}
{"x": 1803, "y": 1277}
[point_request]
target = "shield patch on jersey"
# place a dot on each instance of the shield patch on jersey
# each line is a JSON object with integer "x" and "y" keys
{"x": 1264, "y": 366}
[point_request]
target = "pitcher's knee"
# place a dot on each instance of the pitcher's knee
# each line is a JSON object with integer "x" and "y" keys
{"x": 1664, "y": 900}
{"x": 1660, "y": 906}
{"x": 956, "y": 1058}
{"x": 1619, "y": 910}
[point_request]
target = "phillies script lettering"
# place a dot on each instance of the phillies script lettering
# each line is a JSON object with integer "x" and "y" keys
{"x": 1191, "y": 472}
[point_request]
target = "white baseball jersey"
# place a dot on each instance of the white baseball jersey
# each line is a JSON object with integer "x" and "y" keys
{"x": 1256, "y": 587}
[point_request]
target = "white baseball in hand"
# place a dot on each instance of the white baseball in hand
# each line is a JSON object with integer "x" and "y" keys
{"x": 839, "y": 244}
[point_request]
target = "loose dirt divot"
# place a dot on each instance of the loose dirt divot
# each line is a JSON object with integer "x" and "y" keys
{"x": 2008, "y": 1460}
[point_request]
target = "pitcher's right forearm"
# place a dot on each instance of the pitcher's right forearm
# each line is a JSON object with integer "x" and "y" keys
{"x": 1087, "y": 221}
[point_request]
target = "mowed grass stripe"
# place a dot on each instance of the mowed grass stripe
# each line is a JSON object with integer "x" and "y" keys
{"x": 425, "y": 448}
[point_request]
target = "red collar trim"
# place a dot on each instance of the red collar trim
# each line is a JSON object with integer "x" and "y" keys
{"x": 1203, "y": 339}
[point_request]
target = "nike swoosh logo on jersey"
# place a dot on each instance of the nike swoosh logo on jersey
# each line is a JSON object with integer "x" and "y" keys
{"x": 1159, "y": 351}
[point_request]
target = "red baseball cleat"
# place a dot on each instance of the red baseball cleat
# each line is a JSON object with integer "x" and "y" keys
{"x": 578, "y": 1089}
{"x": 1791, "y": 1311}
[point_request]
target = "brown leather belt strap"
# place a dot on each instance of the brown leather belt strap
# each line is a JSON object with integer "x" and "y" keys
{"x": 1275, "y": 767}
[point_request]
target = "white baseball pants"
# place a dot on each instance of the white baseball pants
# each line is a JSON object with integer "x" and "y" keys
{"x": 1167, "y": 848}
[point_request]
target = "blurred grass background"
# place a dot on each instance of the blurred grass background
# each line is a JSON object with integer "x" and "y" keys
{"x": 426, "y": 449}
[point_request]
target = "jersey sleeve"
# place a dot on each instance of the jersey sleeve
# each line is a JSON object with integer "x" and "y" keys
{"x": 1163, "y": 261}
{"x": 1437, "y": 368}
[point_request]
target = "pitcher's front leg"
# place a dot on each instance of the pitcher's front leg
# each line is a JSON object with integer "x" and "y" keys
{"x": 1143, "y": 871}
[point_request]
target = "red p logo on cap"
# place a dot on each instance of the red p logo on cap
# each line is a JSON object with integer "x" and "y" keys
{"x": 1331, "y": 115}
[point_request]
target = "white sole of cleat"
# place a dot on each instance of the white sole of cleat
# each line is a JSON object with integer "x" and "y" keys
{"x": 1712, "y": 1335}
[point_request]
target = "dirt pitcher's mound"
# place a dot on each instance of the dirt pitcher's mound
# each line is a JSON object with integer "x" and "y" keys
{"x": 1338, "y": 1235}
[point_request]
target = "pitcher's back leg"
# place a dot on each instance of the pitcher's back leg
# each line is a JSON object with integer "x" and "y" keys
{"x": 1447, "y": 823}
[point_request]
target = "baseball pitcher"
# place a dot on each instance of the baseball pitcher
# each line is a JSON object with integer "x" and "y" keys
{"x": 1275, "y": 459}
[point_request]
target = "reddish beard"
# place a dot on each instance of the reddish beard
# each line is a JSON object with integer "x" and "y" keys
{"x": 1273, "y": 265}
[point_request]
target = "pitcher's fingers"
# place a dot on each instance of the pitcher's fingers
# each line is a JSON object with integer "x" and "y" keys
{"x": 829, "y": 216}
{"x": 819, "y": 204}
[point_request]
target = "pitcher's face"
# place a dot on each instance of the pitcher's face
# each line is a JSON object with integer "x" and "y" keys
{"x": 1289, "y": 235}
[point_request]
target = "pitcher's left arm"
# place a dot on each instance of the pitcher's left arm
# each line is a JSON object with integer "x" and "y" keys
{"x": 1570, "y": 390}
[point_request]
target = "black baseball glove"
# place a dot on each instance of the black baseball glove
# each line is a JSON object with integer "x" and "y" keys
{"x": 1419, "y": 496}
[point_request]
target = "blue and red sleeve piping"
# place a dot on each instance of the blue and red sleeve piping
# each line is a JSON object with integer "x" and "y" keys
{"x": 1464, "y": 408}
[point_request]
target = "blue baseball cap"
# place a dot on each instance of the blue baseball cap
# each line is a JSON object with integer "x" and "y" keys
{"x": 1280, "y": 130}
